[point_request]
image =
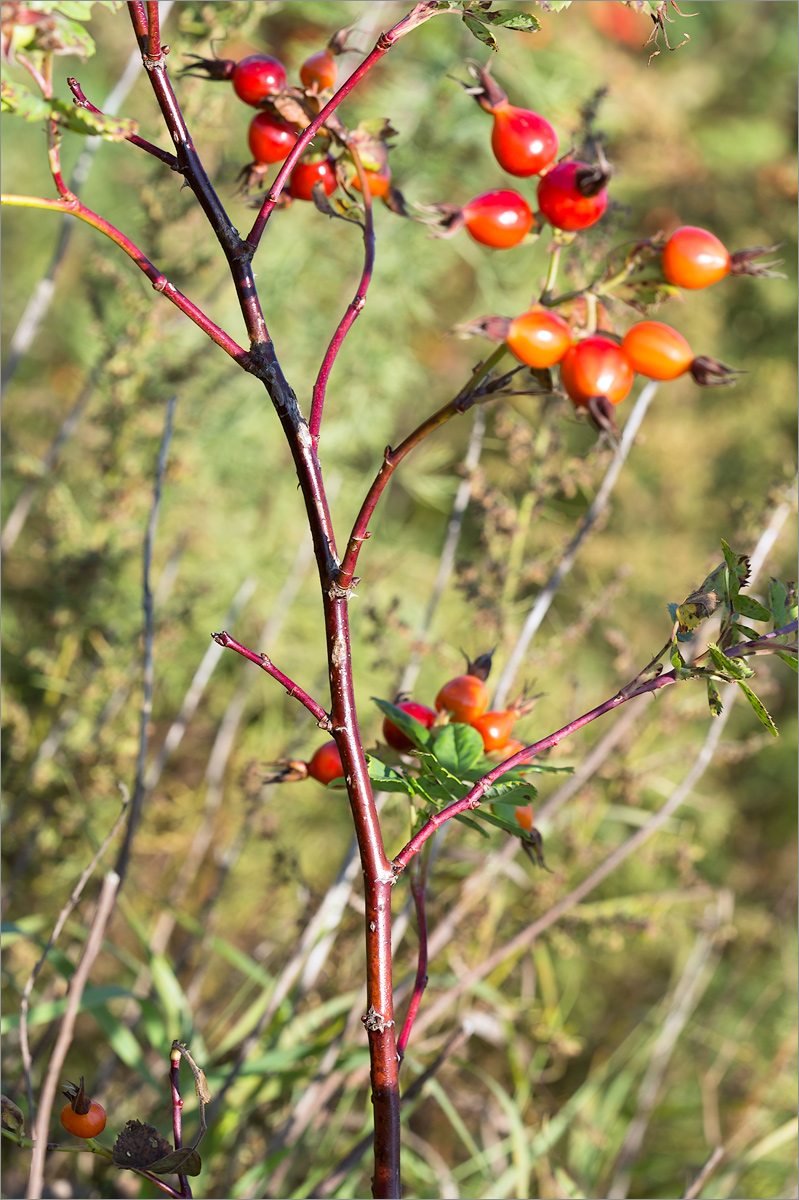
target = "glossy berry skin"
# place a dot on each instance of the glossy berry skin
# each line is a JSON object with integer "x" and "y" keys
{"x": 256, "y": 77}
{"x": 271, "y": 139}
{"x": 378, "y": 182}
{"x": 395, "y": 737}
{"x": 596, "y": 367}
{"x": 495, "y": 729}
{"x": 523, "y": 142}
{"x": 306, "y": 174}
{"x": 539, "y": 337}
{"x": 319, "y": 69}
{"x": 325, "y": 764}
{"x": 500, "y": 219}
{"x": 524, "y": 816}
{"x": 694, "y": 258}
{"x": 656, "y": 350}
{"x": 84, "y": 1125}
{"x": 563, "y": 204}
{"x": 465, "y": 698}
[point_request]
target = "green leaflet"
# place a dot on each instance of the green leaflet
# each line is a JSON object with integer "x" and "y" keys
{"x": 761, "y": 711}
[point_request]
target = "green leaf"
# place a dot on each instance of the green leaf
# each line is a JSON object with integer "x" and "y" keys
{"x": 504, "y": 823}
{"x": 480, "y": 32}
{"x": 790, "y": 659}
{"x": 412, "y": 728}
{"x": 714, "y": 698}
{"x": 458, "y": 747}
{"x": 508, "y": 19}
{"x": 517, "y": 793}
{"x": 185, "y": 1161}
{"x": 50, "y": 1010}
{"x": 677, "y": 660}
{"x": 782, "y": 602}
{"x": 750, "y": 608}
{"x": 735, "y": 668}
{"x": 553, "y": 6}
{"x": 14, "y": 98}
{"x": 386, "y": 778}
{"x": 760, "y": 709}
{"x": 745, "y": 631}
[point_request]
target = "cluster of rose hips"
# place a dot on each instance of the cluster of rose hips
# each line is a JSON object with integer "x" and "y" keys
{"x": 261, "y": 81}
{"x": 462, "y": 700}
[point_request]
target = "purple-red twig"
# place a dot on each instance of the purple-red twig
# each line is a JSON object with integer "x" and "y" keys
{"x": 392, "y": 458}
{"x": 418, "y": 891}
{"x": 473, "y": 798}
{"x": 177, "y": 1114}
{"x": 133, "y": 138}
{"x": 71, "y": 204}
{"x": 353, "y": 310}
{"x": 261, "y": 660}
{"x": 417, "y": 16}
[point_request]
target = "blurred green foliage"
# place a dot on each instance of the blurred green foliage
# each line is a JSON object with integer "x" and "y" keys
{"x": 540, "y": 1099}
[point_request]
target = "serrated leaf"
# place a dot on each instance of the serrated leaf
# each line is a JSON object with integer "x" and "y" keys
{"x": 508, "y": 19}
{"x": 745, "y": 631}
{"x": 750, "y": 608}
{"x": 515, "y": 794}
{"x": 458, "y": 747}
{"x": 413, "y": 729}
{"x": 714, "y": 699}
{"x": 677, "y": 660}
{"x": 761, "y": 711}
{"x": 553, "y": 6}
{"x": 480, "y": 32}
{"x": 790, "y": 659}
{"x": 16, "y": 99}
{"x": 782, "y": 602}
{"x": 733, "y": 667}
{"x": 386, "y": 778}
{"x": 76, "y": 10}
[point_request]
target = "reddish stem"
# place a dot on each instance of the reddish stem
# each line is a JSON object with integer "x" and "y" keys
{"x": 392, "y": 458}
{"x": 177, "y": 1116}
{"x": 417, "y": 16}
{"x": 163, "y": 155}
{"x": 354, "y": 309}
{"x": 418, "y": 890}
{"x": 71, "y": 204}
{"x": 264, "y": 662}
{"x": 473, "y": 798}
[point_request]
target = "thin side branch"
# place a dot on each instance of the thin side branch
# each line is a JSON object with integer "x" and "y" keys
{"x": 73, "y": 206}
{"x": 265, "y": 663}
{"x": 354, "y": 309}
{"x": 162, "y": 155}
{"x": 473, "y": 798}
{"x": 392, "y": 458}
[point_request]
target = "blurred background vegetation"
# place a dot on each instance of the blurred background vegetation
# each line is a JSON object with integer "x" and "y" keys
{"x": 571, "y": 1038}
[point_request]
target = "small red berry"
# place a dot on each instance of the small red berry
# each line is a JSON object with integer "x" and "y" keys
{"x": 594, "y": 367}
{"x": 82, "y": 1117}
{"x": 495, "y": 728}
{"x": 572, "y": 195}
{"x": 500, "y": 219}
{"x": 465, "y": 698}
{"x": 395, "y": 737}
{"x": 523, "y": 142}
{"x": 656, "y": 350}
{"x": 539, "y": 337}
{"x": 306, "y": 174}
{"x": 319, "y": 69}
{"x": 271, "y": 139}
{"x": 256, "y": 77}
{"x": 694, "y": 258}
{"x": 325, "y": 764}
{"x": 378, "y": 182}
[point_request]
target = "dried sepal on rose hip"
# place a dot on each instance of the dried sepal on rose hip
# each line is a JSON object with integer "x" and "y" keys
{"x": 538, "y": 338}
{"x": 82, "y": 1116}
{"x": 254, "y": 77}
{"x": 573, "y": 194}
{"x": 657, "y": 351}
{"x": 524, "y": 143}
{"x": 500, "y": 219}
{"x": 694, "y": 258}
